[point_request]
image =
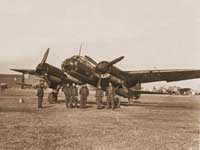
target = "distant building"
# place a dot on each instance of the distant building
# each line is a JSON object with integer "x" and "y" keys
{"x": 31, "y": 79}
{"x": 11, "y": 79}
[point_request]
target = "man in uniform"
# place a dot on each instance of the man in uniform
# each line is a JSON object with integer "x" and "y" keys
{"x": 40, "y": 94}
{"x": 84, "y": 93}
{"x": 74, "y": 92}
{"x": 110, "y": 93}
{"x": 67, "y": 92}
{"x": 99, "y": 96}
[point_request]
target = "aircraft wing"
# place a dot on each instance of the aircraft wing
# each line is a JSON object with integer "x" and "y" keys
{"x": 26, "y": 71}
{"x": 65, "y": 78}
{"x": 162, "y": 75}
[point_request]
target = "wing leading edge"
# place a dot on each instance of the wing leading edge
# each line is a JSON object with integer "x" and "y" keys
{"x": 146, "y": 76}
{"x": 26, "y": 71}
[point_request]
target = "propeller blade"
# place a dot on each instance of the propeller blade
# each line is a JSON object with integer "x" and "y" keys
{"x": 99, "y": 82}
{"x": 91, "y": 60}
{"x": 45, "y": 57}
{"x": 115, "y": 61}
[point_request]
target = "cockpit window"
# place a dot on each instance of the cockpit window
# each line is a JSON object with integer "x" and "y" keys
{"x": 74, "y": 57}
{"x": 80, "y": 59}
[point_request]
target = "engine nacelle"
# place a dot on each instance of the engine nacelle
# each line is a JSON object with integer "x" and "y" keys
{"x": 116, "y": 80}
{"x": 136, "y": 87}
{"x": 54, "y": 79}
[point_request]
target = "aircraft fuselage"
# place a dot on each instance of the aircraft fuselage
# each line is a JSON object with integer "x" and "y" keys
{"x": 84, "y": 71}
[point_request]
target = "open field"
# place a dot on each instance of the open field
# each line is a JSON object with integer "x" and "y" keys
{"x": 158, "y": 122}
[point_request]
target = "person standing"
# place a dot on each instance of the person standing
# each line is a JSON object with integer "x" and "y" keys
{"x": 110, "y": 93}
{"x": 68, "y": 93}
{"x": 40, "y": 94}
{"x": 99, "y": 96}
{"x": 84, "y": 93}
{"x": 74, "y": 96}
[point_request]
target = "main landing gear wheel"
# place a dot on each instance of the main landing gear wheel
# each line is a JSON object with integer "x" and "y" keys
{"x": 52, "y": 97}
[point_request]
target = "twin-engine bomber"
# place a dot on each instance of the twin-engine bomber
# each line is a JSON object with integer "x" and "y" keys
{"x": 85, "y": 70}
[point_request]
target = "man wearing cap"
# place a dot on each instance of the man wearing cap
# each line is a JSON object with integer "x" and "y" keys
{"x": 74, "y": 96}
{"x": 110, "y": 93}
{"x": 99, "y": 96}
{"x": 67, "y": 91}
{"x": 40, "y": 94}
{"x": 84, "y": 93}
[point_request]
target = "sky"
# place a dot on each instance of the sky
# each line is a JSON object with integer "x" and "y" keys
{"x": 156, "y": 34}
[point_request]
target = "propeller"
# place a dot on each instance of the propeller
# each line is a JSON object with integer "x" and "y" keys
{"x": 103, "y": 67}
{"x": 45, "y": 57}
{"x": 99, "y": 82}
{"x": 115, "y": 61}
{"x": 40, "y": 68}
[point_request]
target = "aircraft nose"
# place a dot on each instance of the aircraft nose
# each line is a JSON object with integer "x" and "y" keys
{"x": 67, "y": 65}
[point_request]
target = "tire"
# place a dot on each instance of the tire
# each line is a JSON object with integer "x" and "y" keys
{"x": 50, "y": 98}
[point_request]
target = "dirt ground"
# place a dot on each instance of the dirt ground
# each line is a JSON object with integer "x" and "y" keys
{"x": 156, "y": 123}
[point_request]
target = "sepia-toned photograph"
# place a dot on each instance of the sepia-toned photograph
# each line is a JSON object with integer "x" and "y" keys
{"x": 99, "y": 75}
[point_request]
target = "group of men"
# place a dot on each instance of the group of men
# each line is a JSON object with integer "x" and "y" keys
{"x": 71, "y": 96}
{"x": 111, "y": 100}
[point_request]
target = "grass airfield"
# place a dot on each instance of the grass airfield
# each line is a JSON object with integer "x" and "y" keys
{"x": 157, "y": 122}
